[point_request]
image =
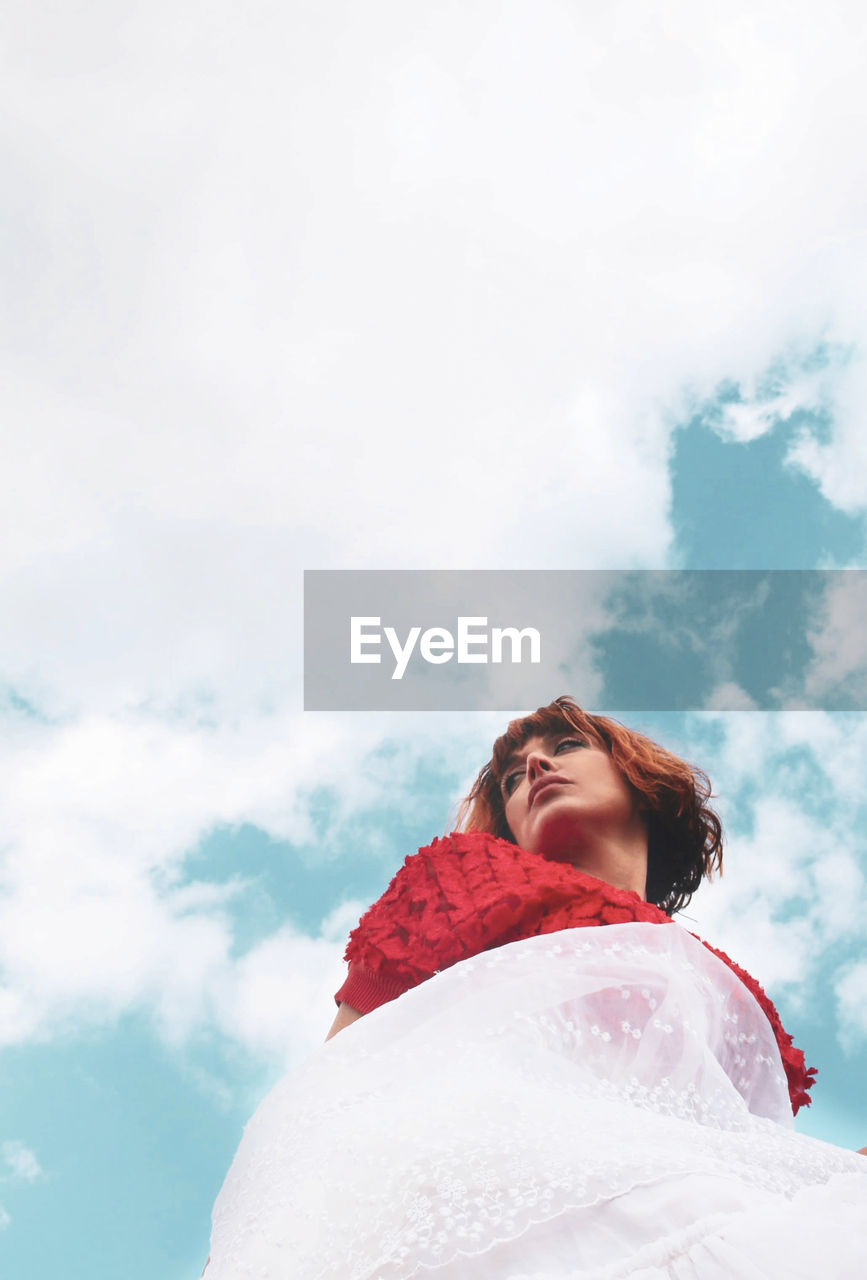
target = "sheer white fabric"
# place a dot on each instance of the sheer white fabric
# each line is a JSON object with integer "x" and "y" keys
{"x": 594, "y": 1104}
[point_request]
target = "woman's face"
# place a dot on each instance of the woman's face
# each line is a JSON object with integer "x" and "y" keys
{"x": 565, "y": 798}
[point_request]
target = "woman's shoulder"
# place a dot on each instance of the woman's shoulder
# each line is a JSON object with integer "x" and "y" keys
{"x": 467, "y": 891}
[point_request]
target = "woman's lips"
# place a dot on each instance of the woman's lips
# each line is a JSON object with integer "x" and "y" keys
{"x": 541, "y": 783}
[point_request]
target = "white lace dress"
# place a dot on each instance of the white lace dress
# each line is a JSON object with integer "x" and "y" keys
{"x": 595, "y": 1104}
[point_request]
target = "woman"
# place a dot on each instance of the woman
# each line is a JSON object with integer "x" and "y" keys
{"x": 559, "y": 1099}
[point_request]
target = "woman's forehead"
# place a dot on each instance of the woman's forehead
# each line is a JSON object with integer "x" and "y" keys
{"x": 547, "y": 722}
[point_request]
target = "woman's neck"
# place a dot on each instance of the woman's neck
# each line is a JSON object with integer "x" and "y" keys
{"x": 622, "y": 864}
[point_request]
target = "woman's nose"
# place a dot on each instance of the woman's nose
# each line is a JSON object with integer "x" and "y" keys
{"x": 537, "y": 762}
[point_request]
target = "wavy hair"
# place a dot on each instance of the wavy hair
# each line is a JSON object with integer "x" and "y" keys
{"x": 684, "y": 834}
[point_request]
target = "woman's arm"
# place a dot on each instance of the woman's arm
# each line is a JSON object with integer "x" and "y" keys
{"x": 345, "y": 1015}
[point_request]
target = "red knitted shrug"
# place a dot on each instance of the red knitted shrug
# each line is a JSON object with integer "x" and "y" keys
{"x": 472, "y": 891}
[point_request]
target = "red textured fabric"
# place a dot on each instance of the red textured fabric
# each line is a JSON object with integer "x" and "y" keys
{"x": 471, "y": 891}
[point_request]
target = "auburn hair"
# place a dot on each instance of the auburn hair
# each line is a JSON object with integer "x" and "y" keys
{"x": 684, "y": 834}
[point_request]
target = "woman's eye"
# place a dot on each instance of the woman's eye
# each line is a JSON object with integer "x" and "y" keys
{"x": 511, "y": 781}
{"x": 568, "y": 743}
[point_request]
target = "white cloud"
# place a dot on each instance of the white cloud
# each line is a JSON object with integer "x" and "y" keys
{"x": 729, "y": 696}
{"x": 763, "y": 875}
{"x": 791, "y": 902}
{"x": 388, "y": 291}
{"x": 851, "y": 992}
{"x": 20, "y": 1160}
{"x": 301, "y": 247}
{"x": 795, "y": 387}
{"x": 837, "y": 462}
{"x": 391, "y": 291}
{"x": 98, "y": 818}
{"x": 5, "y": 1218}
{"x": 279, "y": 1000}
{"x": 359, "y": 287}
{"x": 98, "y": 913}
{"x": 837, "y": 637}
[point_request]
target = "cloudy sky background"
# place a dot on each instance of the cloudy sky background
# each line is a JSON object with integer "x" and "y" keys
{"x": 476, "y": 285}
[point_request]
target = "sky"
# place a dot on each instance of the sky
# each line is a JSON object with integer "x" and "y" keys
{"x": 467, "y": 286}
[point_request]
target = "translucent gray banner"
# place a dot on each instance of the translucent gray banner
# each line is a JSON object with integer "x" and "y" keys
{"x": 623, "y": 640}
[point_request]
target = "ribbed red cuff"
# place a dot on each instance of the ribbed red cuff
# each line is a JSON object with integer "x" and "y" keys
{"x": 366, "y": 991}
